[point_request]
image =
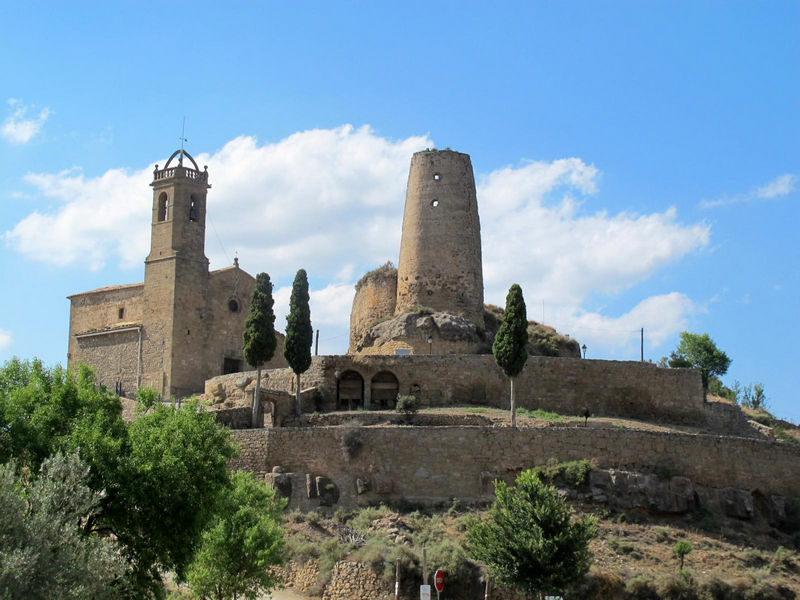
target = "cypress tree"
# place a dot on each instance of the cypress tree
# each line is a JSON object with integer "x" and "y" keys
{"x": 509, "y": 347}
{"x": 258, "y": 339}
{"x": 299, "y": 333}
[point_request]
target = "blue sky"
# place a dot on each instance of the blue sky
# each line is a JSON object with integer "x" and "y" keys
{"x": 637, "y": 163}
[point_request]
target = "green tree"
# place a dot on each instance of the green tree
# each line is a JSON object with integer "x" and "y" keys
{"x": 699, "y": 351}
{"x": 680, "y": 550}
{"x": 299, "y": 333}
{"x": 44, "y": 553}
{"x": 243, "y": 540}
{"x": 258, "y": 339}
{"x": 158, "y": 478}
{"x": 46, "y": 410}
{"x": 163, "y": 492}
{"x": 509, "y": 347}
{"x": 530, "y": 540}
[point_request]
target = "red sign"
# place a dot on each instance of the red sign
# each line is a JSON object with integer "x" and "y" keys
{"x": 438, "y": 580}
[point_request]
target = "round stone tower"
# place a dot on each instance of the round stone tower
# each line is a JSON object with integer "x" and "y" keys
{"x": 440, "y": 266}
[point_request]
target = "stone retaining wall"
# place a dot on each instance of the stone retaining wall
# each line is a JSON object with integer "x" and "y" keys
{"x": 368, "y": 465}
{"x": 564, "y": 385}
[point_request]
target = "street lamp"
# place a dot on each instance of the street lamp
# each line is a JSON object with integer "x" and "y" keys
{"x": 584, "y": 350}
{"x": 430, "y": 344}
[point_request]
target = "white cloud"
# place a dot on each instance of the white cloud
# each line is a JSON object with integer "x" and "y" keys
{"x": 783, "y": 185}
{"x": 660, "y": 316}
{"x": 331, "y": 201}
{"x": 19, "y": 129}
{"x": 780, "y": 186}
{"x": 534, "y": 237}
{"x": 5, "y": 340}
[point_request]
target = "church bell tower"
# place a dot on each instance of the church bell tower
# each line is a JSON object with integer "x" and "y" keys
{"x": 176, "y": 279}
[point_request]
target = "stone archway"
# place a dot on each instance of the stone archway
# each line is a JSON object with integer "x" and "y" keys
{"x": 383, "y": 390}
{"x": 350, "y": 391}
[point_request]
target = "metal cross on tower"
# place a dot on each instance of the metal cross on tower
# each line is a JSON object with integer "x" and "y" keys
{"x": 183, "y": 139}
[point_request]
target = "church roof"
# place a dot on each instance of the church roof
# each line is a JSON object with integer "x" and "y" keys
{"x": 108, "y": 288}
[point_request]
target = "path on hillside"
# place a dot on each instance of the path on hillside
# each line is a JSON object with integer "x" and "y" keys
{"x": 284, "y": 595}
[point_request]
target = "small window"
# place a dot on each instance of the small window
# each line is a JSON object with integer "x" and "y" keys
{"x": 435, "y": 203}
{"x": 163, "y": 207}
{"x": 121, "y": 312}
{"x": 192, "y": 209}
{"x": 233, "y": 305}
{"x": 437, "y": 177}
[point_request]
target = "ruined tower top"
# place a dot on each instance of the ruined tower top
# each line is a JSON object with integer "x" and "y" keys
{"x": 440, "y": 264}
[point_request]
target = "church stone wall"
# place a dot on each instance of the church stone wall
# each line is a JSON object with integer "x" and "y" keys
{"x": 113, "y": 354}
{"x": 114, "y": 357}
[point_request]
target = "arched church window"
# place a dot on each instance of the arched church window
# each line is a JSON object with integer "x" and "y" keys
{"x": 163, "y": 207}
{"x": 192, "y": 208}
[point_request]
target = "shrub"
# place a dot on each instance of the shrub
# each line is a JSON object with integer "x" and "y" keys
{"x": 597, "y": 586}
{"x": 679, "y": 586}
{"x": 680, "y": 550}
{"x": 574, "y": 473}
{"x": 407, "y": 404}
{"x": 641, "y": 588}
{"x": 663, "y": 534}
{"x": 715, "y": 588}
{"x": 351, "y": 442}
{"x": 782, "y": 560}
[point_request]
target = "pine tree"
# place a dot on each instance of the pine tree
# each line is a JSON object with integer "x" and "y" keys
{"x": 258, "y": 340}
{"x": 531, "y": 540}
{"x": 509, "y": 346}
{"x": 299, "y": 333}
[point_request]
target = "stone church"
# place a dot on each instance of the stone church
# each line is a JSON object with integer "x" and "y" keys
{"x": 184, "y": 323}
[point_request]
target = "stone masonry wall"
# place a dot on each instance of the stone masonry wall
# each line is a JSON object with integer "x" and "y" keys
{"x": 563, "y": 385}
{"x": 440, "y": 263}
{"x": 374, "y": 300}
{"x": 427, "y": 464}
{"x": 114, "y": 358}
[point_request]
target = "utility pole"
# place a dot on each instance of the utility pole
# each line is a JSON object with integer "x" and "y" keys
{"x": 316, "y": 345}
{"x": 641, "y": 344}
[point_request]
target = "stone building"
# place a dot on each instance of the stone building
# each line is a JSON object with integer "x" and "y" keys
{"x": 435, "y": 296}
{"x": 184, "y": 323}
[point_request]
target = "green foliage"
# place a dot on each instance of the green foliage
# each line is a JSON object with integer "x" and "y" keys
{"x": 48, "y": 410}
{"x": 299, "y": 333}
{"x": 242, "y": 541}
{"x": 147, "y": 398}
{"x": 164, "y": 490}
{"x": 679, "y": 586}
{"x": 716, "y": 388}
{"x": 43, "y": 550}
{"x": 574, "y": 473}
{"x": 543, "y": 415}
{"x": 530, "y": 540}
{"x": 157, "y": 480}
{"x": 512, "y": 337}
{"x": 407, "y": 404}
{"x": 641, "y": 588}
{"x": 699, "y": 351}
{"x": 386, "y": 270}
{"x": 680, "y": 550}
{"x": 258, "y": 339}
{"x": 753, "y": 397}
